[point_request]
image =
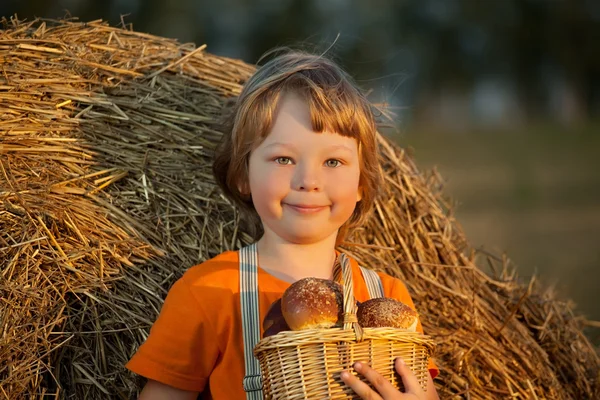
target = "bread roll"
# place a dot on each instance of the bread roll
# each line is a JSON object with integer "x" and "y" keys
{"x": 385, "y": 312}
{"x": 312, "y": 303}
{"x": 274, "y": 321}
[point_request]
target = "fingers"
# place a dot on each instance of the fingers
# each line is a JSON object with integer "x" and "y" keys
{"x": 383, "y": 388}
{"x": 411, "y": 383}
{"x": 381, "y": 385}
{"x": 360, "y": 388}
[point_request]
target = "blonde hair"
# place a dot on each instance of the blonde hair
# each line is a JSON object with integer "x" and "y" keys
{"x": 335, "y": 104}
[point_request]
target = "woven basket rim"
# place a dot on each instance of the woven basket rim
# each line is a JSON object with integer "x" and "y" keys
{"x": 337, "y": 334}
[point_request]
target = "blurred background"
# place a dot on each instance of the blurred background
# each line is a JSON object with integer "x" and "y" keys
{"x": 501, "y": 96}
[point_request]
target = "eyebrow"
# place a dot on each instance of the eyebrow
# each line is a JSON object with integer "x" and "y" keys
{"x": 330, "y": 148}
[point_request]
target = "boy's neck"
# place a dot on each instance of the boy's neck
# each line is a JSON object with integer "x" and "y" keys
{"x": 291, "y": 262}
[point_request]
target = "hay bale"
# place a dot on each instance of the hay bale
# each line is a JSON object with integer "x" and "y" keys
{"x": 106, "y": 197}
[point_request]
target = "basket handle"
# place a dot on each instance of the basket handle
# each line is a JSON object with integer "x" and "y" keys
{"x": 349, "y": 316}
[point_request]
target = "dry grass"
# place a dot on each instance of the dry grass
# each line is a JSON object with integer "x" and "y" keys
{"x": 106, "y": 197}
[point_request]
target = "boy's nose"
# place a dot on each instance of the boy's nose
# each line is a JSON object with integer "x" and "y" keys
{"x": 307, "y": 179}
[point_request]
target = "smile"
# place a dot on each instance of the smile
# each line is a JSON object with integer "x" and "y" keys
{"x": 305, "y": 209}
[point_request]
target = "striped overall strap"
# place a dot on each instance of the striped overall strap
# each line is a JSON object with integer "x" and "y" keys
{"x": 373, "y": 281}
{"x": 250, "y": 320}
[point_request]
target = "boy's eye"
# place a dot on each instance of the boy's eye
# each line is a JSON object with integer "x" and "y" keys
{"x": 333, "y": 163}
{"x": 283, "y": 160}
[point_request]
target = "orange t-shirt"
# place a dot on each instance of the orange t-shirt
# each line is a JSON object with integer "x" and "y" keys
{"x": 196, "y": 342}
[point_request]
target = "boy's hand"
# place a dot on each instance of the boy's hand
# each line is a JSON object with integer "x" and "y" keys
{"x": 385, "y": 390}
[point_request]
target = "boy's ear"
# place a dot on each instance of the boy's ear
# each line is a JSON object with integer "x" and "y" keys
{"x": 244, "y": 188}
{"x": 243, "y": 182}
{"x": 359, "y": 194}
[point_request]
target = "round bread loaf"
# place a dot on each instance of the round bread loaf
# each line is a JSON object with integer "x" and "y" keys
{"x": 274, "y": 321}
{"x": 312, "y": 303}
{"x": 385, "y": 312}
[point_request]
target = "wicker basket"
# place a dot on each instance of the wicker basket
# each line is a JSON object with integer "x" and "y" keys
{"x": 307, "y": 364}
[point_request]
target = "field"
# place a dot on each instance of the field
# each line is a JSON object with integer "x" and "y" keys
{"x": 533, "y": 195}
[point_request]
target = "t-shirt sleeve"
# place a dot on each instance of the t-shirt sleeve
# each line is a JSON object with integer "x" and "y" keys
{"x": 400, "y": 292}
{"x": 182, "y": 347}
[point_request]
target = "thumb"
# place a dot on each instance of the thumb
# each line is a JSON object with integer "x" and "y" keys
{"x": 411, "y": 383}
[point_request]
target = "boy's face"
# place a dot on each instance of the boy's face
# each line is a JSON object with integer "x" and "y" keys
{"x": 304, "y": 185}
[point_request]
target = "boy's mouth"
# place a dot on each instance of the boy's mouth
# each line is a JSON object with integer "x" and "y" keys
{"x": 305, "y": 208}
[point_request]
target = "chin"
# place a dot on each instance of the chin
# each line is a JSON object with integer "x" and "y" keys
{"x": 303, "y": 232}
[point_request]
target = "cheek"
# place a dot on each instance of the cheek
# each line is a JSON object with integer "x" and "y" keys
{"x": 267, "y": 184}
{"x": 345, "y": 186}
{"x": 264, "y": 180}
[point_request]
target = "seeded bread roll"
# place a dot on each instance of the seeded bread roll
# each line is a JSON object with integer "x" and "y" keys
{"x": 386, "y": 312}
{"x": 312, "y": 303}
{"x": 274, "y": 321}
